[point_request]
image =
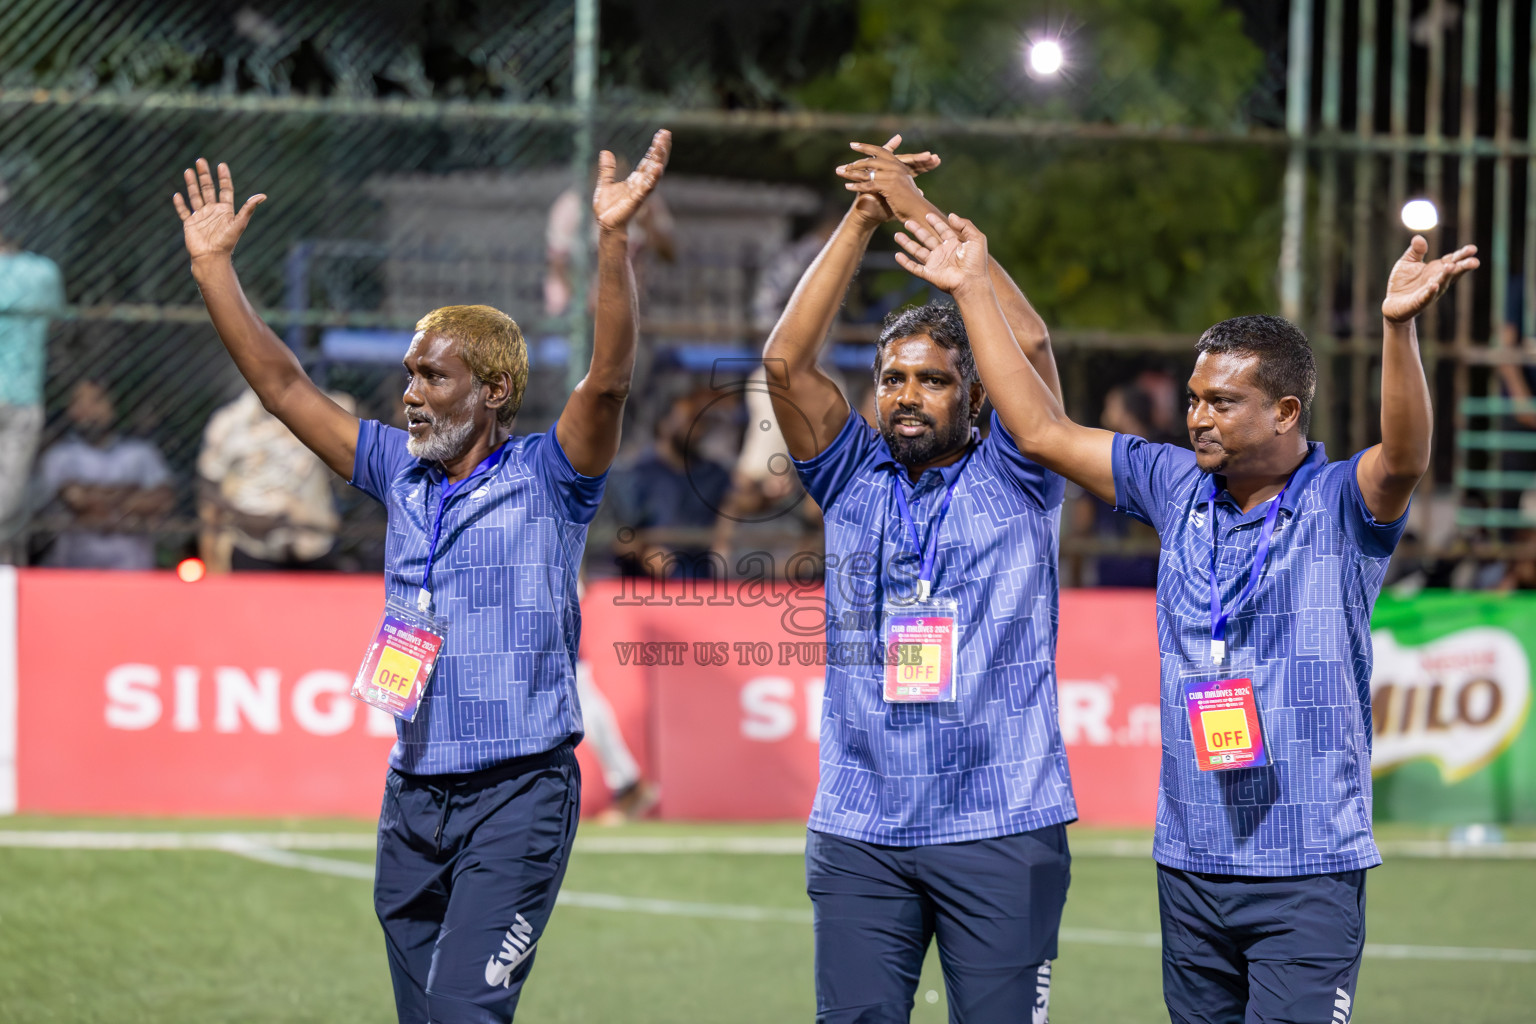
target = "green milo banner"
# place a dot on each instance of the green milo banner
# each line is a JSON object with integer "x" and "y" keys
{"x": 1450, "y": 696}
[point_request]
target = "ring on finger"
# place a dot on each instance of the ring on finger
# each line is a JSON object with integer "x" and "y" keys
{"x": 871, "y": 174}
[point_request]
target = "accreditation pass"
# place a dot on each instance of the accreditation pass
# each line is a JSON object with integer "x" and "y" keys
{"x": 920, "y": 641}
{"x": 399, "y": 662}
{"x": 1224, "y": 721}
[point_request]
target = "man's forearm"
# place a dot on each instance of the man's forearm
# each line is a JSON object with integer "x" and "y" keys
{"x": 1031, "y": 414}
{"x": 1026, "y": 405}
{"x": 1406, "y": 415}
{"x": 1029, "y": 330}
{"x": 589, "y": 427}
{"x": 149, "y": 501}
{"x": 266, "y": 363}
{"x": 616, "y": 325}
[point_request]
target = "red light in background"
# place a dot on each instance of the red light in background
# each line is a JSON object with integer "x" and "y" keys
{"x": 190, "y": 570}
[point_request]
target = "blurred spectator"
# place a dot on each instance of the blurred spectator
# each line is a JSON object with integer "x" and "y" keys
{"x": 1519, "y": 380}
{"x": 114, "y": 489}
{"x": 264, "y": 499}
{"x": 865, "y": 406}
{"x": 667, "y": 500}
{"x": 1519, "y": 383}
{"x": 764, "y": 476}
{"x": 1520, "y": 572}
{"x": 633, "y": 794}
{"x": 1458, "y": 561}
{"x": 1127, "y": 410}
{"x": 1164, "y": 411}
{"x": 782, "y": 272}
{"x": 650, "y": 231}
{"x": 764, "y": 485}
{"x": 30, "y": 289}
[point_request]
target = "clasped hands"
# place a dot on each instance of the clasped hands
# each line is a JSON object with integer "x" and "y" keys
{"x": 947, "y": 253}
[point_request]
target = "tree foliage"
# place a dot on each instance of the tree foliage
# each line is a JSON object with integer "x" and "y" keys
{"x": 1113, "y": 235}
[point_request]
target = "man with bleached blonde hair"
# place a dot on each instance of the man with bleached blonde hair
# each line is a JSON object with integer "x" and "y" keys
{"x": 486, "y": 532}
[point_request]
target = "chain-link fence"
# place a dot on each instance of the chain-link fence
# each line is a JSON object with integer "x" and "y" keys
{"x": 419, "y": 153}
{"x": 359, "y": 120}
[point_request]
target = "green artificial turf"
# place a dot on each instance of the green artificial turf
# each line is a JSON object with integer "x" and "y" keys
{"x": 164, "y": 937}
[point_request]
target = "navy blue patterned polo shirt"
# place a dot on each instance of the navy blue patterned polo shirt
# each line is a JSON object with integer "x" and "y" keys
{"x": 503, "y": 583}
{"x": 1303, "y": 637}
{"x": 990, "y": 763}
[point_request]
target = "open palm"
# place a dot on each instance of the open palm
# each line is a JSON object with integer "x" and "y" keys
{"x": 615, "y": 202}
{"x": 946, "y": 253}
{"x": 210, "y": 224}
{"x": 1414, "y": 285}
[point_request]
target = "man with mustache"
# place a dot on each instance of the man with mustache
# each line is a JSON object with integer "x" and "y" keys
{"x": 944, "y": 793}
{"x": 1272, "y": 557}
{"x": 486, "y": 531}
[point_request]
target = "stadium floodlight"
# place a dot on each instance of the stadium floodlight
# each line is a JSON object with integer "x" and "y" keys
{"x": 1046, "y": 57}
{"x": 1420, "y": 215}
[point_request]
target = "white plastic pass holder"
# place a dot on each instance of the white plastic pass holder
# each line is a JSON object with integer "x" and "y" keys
{"x": 1218, "y": 651}
{"x": 400, "y": 659}
{"x": 920, "y": 640}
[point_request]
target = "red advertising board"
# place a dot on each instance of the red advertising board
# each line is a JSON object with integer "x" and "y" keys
{"x": 735, "y": 693}
{"x": 1107, "y": 669}
{"x": 139, "y": 694}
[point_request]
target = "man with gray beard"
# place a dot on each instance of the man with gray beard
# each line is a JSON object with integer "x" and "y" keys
{"x": 486, "y": 532}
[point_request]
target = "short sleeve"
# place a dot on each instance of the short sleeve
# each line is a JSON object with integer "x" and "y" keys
{"x": 828, "y": 473}
{"x": 1374, "y": 539}
{"x": 149, "y": 467}
{"x": 1042, "y": 487}
{"x": 55, "y": 284}
{"x": 53, "y": 472}
{"x": 381, "y": 455}
{"x": 213, "y": 459}
{"x": 576, "y": 496}
{"x": 626, "y": 504}
{"x": 1148, "y": 475}
{"x": 564, "y": 220}
{"x": 37, "y": 287}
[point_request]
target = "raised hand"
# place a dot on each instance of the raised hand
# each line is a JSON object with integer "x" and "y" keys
{"x": 1414, "y": 285}
{"x": 615, "y": 202}
{"x": 209, "y": 223}
{"x": 884, "y": 179}
{"x": 947, "y": 254}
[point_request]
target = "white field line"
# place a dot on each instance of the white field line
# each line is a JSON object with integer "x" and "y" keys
{"x": 739, "y": 912}
{"x": 1439, "y": 849}
{"x": 305, "y": 862}
{"x": 1383, "y": 951}
{"x": 231, "y": 841}
{"x": 278, "y": 849}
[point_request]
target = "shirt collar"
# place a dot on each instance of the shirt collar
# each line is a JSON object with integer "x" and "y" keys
{"x": 1315, "y": 459}
{"x": 946, "y": 473}
{"x": 492, "y": 462}
{"x": 109, "y": 442}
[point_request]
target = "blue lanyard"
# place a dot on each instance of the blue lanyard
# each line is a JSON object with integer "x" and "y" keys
{"x": 424, "y": 597}
{"x": 930, "y": 553}
{"x": 1266, "y": 535}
